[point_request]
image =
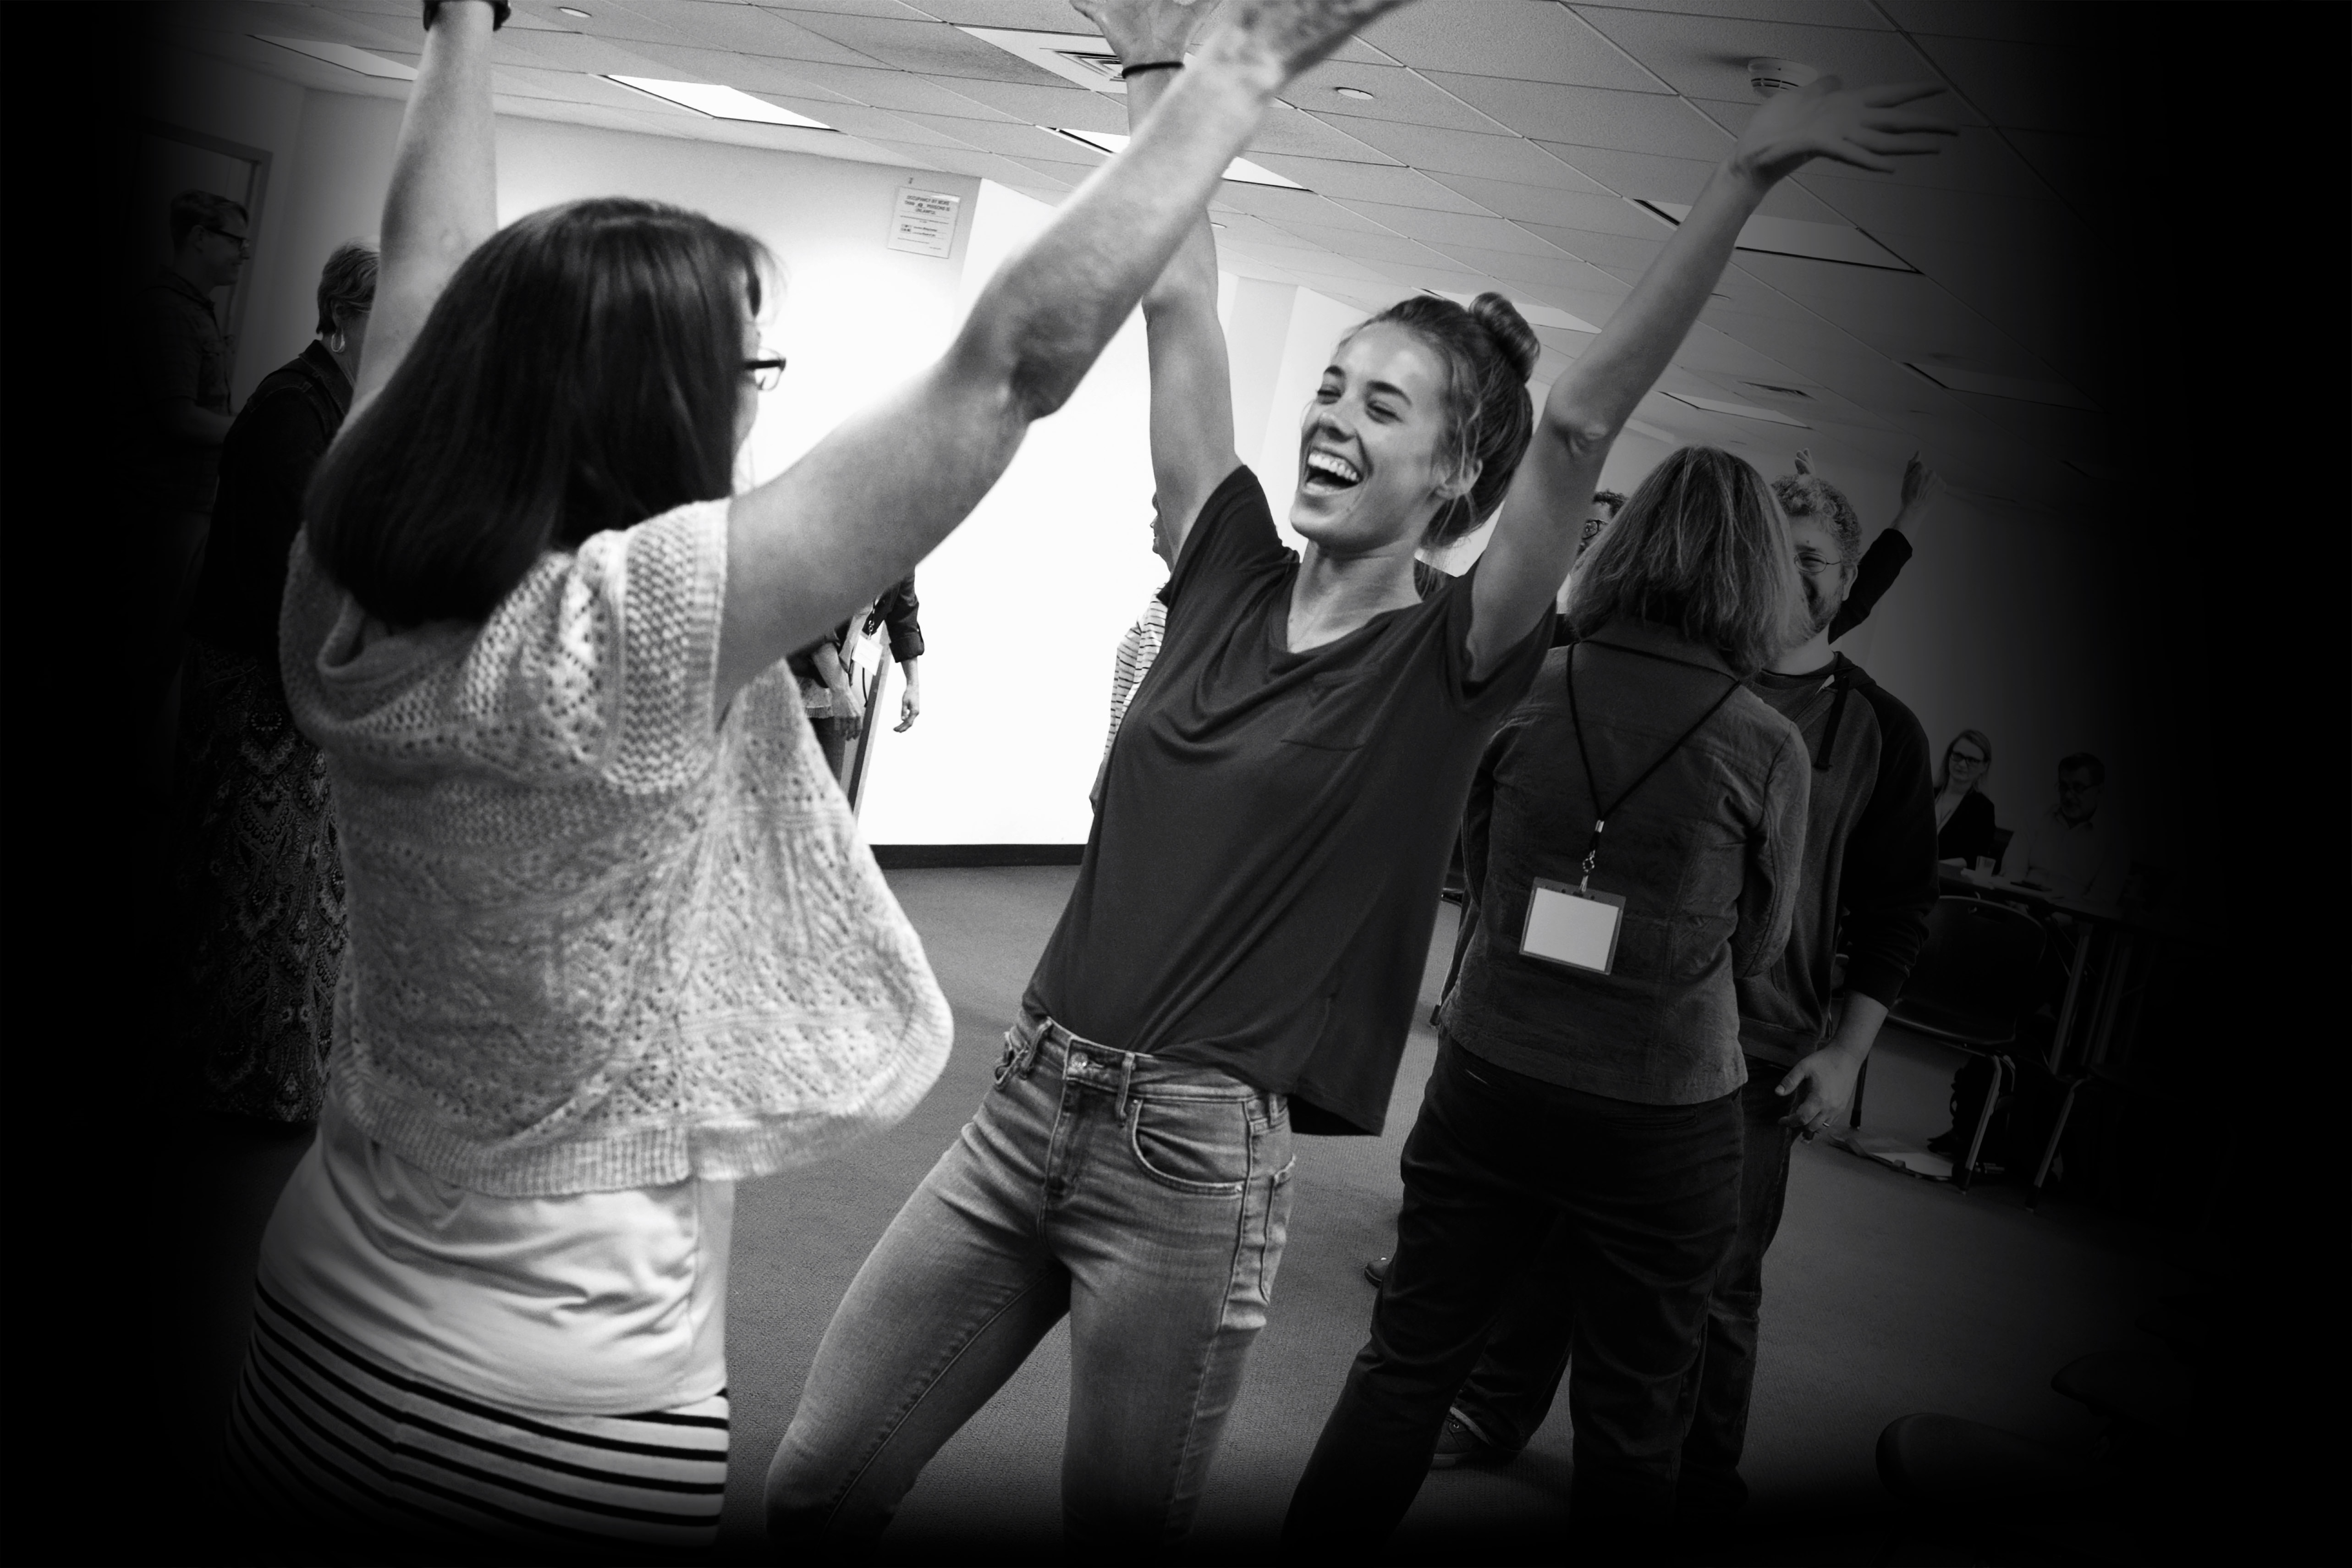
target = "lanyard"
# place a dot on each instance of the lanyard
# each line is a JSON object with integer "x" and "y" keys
{"x": 1603, "y": 813}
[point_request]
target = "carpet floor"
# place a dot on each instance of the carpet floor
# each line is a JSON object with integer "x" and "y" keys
{"x": 1887, "y": 1294}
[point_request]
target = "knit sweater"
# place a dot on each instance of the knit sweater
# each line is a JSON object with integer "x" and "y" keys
{"x": 600, "y": 936}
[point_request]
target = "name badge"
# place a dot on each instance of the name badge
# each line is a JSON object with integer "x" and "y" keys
{"x": 1570, "y": 926}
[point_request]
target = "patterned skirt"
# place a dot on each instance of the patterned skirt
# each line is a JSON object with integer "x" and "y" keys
{"x": 333, "y": 1455}
{"x": 260, "y": 892}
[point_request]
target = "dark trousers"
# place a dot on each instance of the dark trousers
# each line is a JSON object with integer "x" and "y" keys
{"x": 1510, "y": 1392}
{"x": 1641, "y": 1202}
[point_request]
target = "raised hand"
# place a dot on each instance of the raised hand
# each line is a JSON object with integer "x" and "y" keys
{"x": 1804, "y": 460}
{"x": 1141, "y": 30}
{"x": 1288, "y": 35}
{"x": 1921, "y": 483}
{"x": 1866, "y": 128}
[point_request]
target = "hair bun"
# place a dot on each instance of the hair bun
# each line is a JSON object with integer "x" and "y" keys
{"x": 1514, "y": 338}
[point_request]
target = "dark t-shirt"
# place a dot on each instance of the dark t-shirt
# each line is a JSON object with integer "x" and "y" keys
{"x": 1259, "y": 890}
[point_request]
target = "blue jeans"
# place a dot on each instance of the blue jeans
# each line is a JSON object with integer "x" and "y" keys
{"x": 1146, "y": 1199}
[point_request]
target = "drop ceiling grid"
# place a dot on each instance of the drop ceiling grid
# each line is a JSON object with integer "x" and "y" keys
{"x": 1502, "y": 143}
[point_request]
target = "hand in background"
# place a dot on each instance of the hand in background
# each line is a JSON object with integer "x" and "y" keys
{"x": 1921, "y": 484}
{"x": 1867, "y": 128}
{"x": 910, "y": 705}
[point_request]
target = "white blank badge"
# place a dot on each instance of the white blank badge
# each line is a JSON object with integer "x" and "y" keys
{"x": 1577, "y": 928}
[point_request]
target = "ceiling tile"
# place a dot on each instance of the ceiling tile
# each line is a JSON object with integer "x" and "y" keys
{"x": 1009, "y": 138}
{"x": 1458, "y": 151}
{"x": 575, "y": 87}
{"x": 1884, "y": 209}
{"x": 1381, "y": 248}
{"x": 1453, "y": 228}
{"x": 2019, "y": 21}
{"x": 1637, "y": 122}
{"x": 1397, "y": 94}
{"x": 892, "y": 8}
{"x": 2070, "y": 165}
{"x": 1679, "y": 179}
{"x": 1283, "y": 209}
{"x": 1585, "y": 304}
{"x": 1450, "y": 280}
{"x": 1061, "y": 170}
{"x": 545, "y": 49}
{"x": 858, "y": 119}
{"x": 894, "y": 90}
{"x": 1561, "y": 271}
{"x": 1074, "y": 107}
{"x": 1530, "y": 39}
{"x": 1707, "y": 57}
{"x": 1508, "y": 198}
{"x": 1021, "y": 16}
{"x": 1369, "y": 181}
{"x": 710, "y": 25}
{"x": 933, "y": 48}
{"x": 1051, "y": 195}
{"x": 2031, "y": 87}
{"x": 1811, "y": 13}
{"x": 679, "y": 62}
{"x": 1581, "y": 210}
{"x": 1900, "y": 314}
{"x": 1306, "y": 135}
{"x": 1610, "y": 250}
{"x": 958, "y": 161}
{"x": 1978, "y": 159}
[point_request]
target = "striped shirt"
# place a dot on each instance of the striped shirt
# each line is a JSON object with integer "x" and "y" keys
{"x": 1137, "y": 650}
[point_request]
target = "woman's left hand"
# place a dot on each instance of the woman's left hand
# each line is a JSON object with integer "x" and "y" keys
{"x": 1866, "y": 128}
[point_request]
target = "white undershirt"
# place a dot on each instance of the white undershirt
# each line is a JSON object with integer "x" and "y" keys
{"x": 592, "y": 1303}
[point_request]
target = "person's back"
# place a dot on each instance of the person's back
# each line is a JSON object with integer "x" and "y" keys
{"x": 1695, "y": 851}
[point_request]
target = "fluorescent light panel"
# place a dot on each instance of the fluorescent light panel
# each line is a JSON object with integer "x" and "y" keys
{"x": 1794, "y": 237}
{"x": 2056, "y": 393}
{"x": 1738, "y": 410}
{"x": 1080, "y": 58}
{"x": 1241, "y": 171}
{"x": 345, "y": 56}
{"x": 719, "y": 102}
{"x": 1537, "y": 315}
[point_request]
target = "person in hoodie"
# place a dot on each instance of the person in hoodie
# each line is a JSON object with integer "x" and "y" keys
{"x": 1868, "y": 875}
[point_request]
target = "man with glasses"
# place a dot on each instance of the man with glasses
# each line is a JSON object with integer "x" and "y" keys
{"x": 2071, "y": 848}
{"x": 1866, "y": 884}
{"x": 180, "y": 364}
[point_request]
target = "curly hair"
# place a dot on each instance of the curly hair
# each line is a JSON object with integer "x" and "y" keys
{"x": 1804, "y": 497}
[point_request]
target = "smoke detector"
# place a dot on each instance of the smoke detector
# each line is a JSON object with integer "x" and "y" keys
{"x": 1768, "y": 77}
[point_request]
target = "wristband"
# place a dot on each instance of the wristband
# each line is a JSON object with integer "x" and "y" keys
{"x": 498, "y": 13}
{"x": 1138, "y": 70}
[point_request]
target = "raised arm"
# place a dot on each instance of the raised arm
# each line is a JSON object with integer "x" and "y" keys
{"x": 874, "y": 497}
{"x": 1191, "y": 380}
{"x": 1535, "y": 541}
{"x": 443, "y": 196}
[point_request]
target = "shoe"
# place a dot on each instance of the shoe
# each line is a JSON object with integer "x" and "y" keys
{"x": 1458, "y": 1443}
{"x": 1377, "y": 1271}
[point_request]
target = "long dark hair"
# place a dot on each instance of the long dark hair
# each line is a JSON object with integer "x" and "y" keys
{"x": 1700, "y": 548}
{"x": 1489, "y": 352}
{"x": 581, "y": 371}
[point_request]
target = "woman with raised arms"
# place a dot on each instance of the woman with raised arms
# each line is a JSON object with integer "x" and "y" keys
{"x": 614, "y": 945}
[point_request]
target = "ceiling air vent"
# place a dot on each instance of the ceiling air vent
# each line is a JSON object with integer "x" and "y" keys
{"x": 1776, "y": 391}
{"x": 1079, "y": 58}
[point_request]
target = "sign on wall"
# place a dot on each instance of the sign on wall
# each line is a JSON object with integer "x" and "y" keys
{"x": 923, "y": 222}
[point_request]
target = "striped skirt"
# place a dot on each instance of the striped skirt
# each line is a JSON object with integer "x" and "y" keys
{"x": 335, "y": 1453}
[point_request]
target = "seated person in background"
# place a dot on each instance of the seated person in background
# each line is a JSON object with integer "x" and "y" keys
{"x": 1965, "y": 833}
{"x": 835, "y": 709}
{"x": 2071, "y": 849}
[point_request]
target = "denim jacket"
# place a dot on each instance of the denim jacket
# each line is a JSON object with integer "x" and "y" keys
{"x": 1706, "y": 853}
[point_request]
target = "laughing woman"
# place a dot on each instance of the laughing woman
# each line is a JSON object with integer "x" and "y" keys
{"x": 1240, "y": 955}
{"x": 614, "y": 945}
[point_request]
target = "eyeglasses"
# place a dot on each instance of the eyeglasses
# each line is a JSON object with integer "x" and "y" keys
{"x": 244, "y": 243}
{"x": 1813, "y": 565}
{"x": 767, "y": 374}
{"x": 1962, "y": 760}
